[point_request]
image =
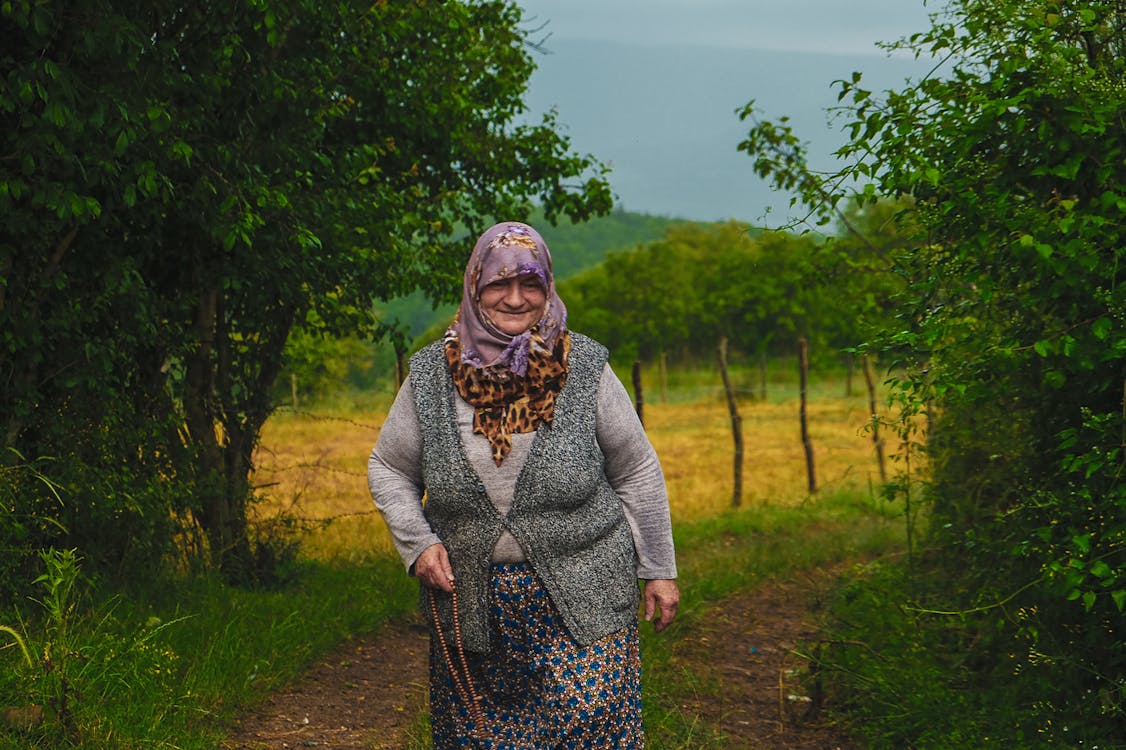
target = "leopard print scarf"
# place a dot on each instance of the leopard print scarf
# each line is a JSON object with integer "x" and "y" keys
{"x": 505, "y": 404}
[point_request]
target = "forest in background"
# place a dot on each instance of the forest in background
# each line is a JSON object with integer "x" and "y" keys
{"x": 175, "y": 210}
{"x": 655, "y": 287}
{"x": 661, "y": 289}
{"x": 575, "y": 247}
{"x": 317, "y": 366}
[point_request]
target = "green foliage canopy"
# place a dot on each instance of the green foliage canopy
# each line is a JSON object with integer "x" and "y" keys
{"x": 762, "y": 290}
{"x": 1013, "y": 323}
{"x": 182, "y": 185}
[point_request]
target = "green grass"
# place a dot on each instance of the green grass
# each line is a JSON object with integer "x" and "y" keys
{"x": 169, "y": 667}
{"x": 743, "y": 547}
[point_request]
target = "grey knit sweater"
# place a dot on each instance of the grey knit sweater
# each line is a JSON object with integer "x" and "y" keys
{"x": 589, "y": 511}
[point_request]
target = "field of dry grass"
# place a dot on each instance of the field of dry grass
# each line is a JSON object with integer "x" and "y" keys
{"x": 313, "y": 465}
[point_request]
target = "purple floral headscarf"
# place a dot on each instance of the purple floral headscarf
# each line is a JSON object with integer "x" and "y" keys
{"x": 505, "y": 250}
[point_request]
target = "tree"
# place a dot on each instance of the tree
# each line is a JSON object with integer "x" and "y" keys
{"x": 186, "y": 184}
{"x": 655, "y": 298}
{"x": 760, "y": 290}
{"x": 1012, "y": 321}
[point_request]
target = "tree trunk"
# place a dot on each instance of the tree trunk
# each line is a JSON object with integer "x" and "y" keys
{"x": 877, "y": 442}
{"x": 226, "y": 404}
{"x": 807, "y": 443}
{"x": 762, "y": 375}
{"x": 736, "y": 423}
{"x": 199, "y": 414}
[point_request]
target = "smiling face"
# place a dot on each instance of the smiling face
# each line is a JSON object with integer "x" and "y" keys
{"x": 514, "y": 304}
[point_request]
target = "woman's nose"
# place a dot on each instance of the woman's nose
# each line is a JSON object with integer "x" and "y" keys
{"x": 512, "y": 293}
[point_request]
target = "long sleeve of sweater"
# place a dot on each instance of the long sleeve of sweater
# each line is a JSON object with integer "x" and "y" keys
{"x": 632, "y": 468}
{"x": 634, "y": 472}
{"x": 395, "y": 478}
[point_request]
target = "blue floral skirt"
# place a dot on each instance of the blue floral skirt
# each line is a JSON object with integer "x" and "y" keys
{"x": 538, "y": 689}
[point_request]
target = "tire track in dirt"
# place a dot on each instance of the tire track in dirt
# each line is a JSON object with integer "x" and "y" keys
{"x": 362, "y": 696}
{"x": 367, "y": 693}
{"x": 759, "y": 697}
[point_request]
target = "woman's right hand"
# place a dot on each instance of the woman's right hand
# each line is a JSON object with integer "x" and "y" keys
{"x": 433, "y": 568}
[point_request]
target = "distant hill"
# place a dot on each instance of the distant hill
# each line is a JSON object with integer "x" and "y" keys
{"x": 577, "y": 247}
{"x": 574, "y": 248}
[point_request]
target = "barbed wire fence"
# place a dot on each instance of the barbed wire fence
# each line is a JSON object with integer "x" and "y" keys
{"x": 327, "y": 418}
{"x": 732, "y": 390}
{"x": 294, "y": 505}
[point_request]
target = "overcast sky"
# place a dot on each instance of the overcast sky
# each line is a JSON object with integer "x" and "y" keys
{"x": 651, "y": 87}
{"x": 827, "y": 26}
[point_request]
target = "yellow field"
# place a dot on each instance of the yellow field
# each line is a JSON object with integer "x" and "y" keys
{"x": 696, "y": 448}
{"x": 314, "y": 467}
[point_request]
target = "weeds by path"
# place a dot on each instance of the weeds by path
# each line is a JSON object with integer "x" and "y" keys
{"x": 740, "y": 676}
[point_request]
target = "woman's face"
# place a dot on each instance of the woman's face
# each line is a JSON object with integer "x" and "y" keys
{"x": 514, "y": 304}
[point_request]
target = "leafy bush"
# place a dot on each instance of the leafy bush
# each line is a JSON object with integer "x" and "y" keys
{"x": 1011, "y": 332}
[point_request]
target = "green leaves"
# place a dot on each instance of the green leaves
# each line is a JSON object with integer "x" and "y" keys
{"x": 761, "y": 290}
{"x": 1119, "y": 597}
{"x": 1012, "y": 151}
{"x": 190, "y": 182}
{"x": 1101, "y": 328}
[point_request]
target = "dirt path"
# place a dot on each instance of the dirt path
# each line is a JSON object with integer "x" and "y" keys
{"x": 366, "y": 694}
{"x": 747, "y": 644}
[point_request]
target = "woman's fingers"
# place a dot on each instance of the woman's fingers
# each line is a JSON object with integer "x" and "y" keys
{"x": 433, "y": 568}
{"x": 662, "y": 598}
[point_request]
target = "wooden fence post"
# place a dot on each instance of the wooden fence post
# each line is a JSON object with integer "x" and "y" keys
{"x": 762, "y": 376}
{"x": 876, "y": 440}
{"x": 736, "y": 423}
{"x": 638, "y": 399}
{"x": 930, "y": 403}
{"x": 807, "y": 444}
{"x": 400, "y": 364}
{"x": 293, "y": 388}
{"x": 664, "y": 377}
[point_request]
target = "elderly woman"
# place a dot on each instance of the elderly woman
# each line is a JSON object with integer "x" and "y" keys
{"x": 544, "y": 506}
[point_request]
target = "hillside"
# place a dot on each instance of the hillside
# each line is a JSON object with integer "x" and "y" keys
{"x": 574, "y": 248}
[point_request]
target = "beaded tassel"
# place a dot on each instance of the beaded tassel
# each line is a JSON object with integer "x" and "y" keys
{"x": 463, "y": 684}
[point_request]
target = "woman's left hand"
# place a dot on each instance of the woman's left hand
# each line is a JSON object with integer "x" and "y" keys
{"x": 662, "y": 597}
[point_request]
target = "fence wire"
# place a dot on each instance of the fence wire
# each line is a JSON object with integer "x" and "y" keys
{"x": 319, "y": 467}
{"x": 327, "y": 418}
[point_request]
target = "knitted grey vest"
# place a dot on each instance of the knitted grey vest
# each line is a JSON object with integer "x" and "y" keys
{"x": 564, "y": 513}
